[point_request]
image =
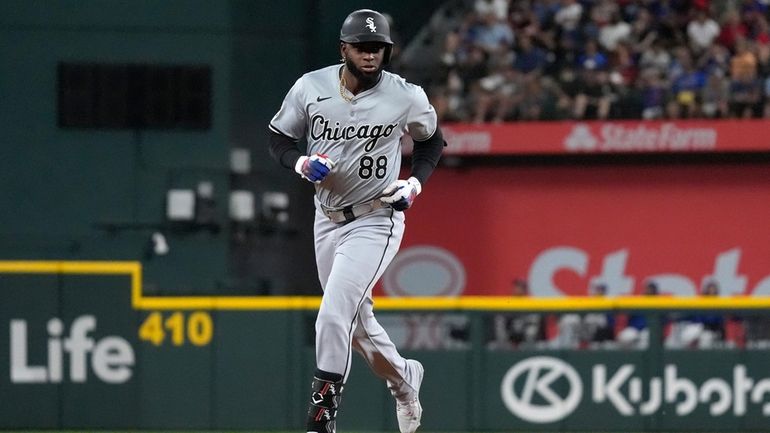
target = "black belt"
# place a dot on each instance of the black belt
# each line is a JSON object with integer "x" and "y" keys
{"x": 350, "y": 213}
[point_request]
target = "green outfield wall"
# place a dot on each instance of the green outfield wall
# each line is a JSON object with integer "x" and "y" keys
{"x": 99, "y": 193}
{"x": 84, "y": 348}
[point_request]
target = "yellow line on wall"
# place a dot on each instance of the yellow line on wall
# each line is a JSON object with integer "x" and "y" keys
{"x": 572, "y": 303}
{"x": 129, "y": 268}
{"x": 133, "y": 270}
{"x": 67, "y": 267}
{"x": 228, "y": 303}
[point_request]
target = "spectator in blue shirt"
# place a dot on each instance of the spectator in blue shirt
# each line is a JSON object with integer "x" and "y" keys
{"x": 685, "y": 89}
{"x": 703, "y": 330}
{"x": 592, "y": 58}
{"x": 530, "y": 60}
{"x": 636, "y": 335}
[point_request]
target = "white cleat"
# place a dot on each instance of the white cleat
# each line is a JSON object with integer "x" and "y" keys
{"x": 410, "y": 413}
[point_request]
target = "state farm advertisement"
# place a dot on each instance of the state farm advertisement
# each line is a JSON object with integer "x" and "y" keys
{"x": 565, "y": 228}
{"x": 607, "y": 137}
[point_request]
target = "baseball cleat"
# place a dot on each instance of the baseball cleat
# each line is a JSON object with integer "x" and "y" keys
{"x": 410, "y": 413}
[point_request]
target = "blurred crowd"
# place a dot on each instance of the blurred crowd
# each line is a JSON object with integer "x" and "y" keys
{"x": 696, "y": 329}
{"x": 699, "y": 329}
{"x": 601, "y": 59}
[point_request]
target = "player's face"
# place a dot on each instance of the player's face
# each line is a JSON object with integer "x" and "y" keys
{"x": 364, "y": 60}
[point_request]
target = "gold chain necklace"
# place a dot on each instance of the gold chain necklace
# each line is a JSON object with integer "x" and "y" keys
{"x": 343, "y": 84}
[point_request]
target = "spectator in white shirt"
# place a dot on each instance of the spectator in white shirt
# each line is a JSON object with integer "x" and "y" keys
{"x": 702, "y": 31}
{"x": 614, "y": 32}
{"x": 497, "y": 7}
{"x": 569, "y": 14}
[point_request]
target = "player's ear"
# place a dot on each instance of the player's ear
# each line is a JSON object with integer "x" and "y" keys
{"x": 342, "y": 52}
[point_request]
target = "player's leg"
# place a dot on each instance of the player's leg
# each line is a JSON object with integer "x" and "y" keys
{"x": 375, "y": 346}
{"x": 402, "y": 376}
{"x": 363, "y": 249}
{"x": 325, "y": 238}
{"x": 326, "y": 387}
{"x": 349, "y": 259}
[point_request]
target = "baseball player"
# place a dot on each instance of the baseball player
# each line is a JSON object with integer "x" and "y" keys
{"x": 353, "y": 116}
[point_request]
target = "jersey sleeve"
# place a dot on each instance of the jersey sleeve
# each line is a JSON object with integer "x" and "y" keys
{"x": 421, "y": 121}
{"x": 291, "y": 118}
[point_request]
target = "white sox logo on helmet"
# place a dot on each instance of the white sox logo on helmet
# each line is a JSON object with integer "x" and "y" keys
{"x": 370, "y": 24}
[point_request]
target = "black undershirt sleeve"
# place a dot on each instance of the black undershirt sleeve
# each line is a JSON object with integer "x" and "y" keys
{"x": 426, "y": 154}
{"x": 284, "y": 149}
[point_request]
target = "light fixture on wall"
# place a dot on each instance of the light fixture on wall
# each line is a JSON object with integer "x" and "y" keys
{"x": 206, "y": 205}
{"x": 275, "y": 206}
{"x": 240, "y": 160}
{"x": 180, "y": 205}
{"x": 242, "y": 206}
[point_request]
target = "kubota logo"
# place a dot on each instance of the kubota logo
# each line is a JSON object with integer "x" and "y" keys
{"x": 543, "y": 389}
{"x": 539, "y": 374}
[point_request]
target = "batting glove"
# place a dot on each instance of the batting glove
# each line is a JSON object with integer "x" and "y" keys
{"x": 314, "y": 168}
{"x": 401, "y": 194}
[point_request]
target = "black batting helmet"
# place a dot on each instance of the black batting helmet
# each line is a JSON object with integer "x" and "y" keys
{"x": 366, "y": 25}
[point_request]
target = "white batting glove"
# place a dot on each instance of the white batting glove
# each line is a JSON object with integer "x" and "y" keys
{"x": 314, "y": 168}
{"x": 401, "y": 194}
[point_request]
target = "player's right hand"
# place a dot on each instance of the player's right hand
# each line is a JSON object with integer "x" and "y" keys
{"x": 315, "y": 167}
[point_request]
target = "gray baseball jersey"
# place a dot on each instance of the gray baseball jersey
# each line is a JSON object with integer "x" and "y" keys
{"x": 363, "y": 136}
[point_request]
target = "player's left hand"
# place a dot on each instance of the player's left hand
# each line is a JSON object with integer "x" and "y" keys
{"x": 401, "y": 194}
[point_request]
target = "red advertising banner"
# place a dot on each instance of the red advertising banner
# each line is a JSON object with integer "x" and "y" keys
{"x": 608, "y": 137}
{"x": 566, "y": 228}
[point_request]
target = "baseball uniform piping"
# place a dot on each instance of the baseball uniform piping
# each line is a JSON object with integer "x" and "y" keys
{"x": 363, "y": 296}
